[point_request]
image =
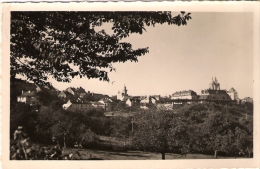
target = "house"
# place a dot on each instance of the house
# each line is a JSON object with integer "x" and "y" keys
{"x": 114, "y": 97}
{"x": 66, "y": 105}
{"x": 82, "y": 95}
{"x": 79, "y": 90}
{"x": 156, "y": 97}
{"x": 185, "y": 94}
{"x": 29, "y": 97}
{"x": 247, "y": 100}
{"x": 135, "y": 101}
{"x": 77, "y": 106}
{"x": 94, "y": 97}
{"x": 153, "y": 100}
{"x": 233, "y": 94}
{"x": 99, "y": 105}
{"x": 65, "y": 95}
{"x": 71, "y": 90}
{"x": 145, "y": 100}
{"x": 164, "y": 100}
{"x": 128, "y": 102}
{"x": 107, "y": 102}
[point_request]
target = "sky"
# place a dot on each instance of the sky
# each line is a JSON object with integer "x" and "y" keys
{"x": 185, "y": 58}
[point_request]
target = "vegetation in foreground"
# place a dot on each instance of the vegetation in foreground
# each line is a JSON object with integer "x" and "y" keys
{"x": 209, "y": 129}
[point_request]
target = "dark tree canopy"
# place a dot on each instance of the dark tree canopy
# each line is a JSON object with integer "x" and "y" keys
{"x": 48, "y": 44}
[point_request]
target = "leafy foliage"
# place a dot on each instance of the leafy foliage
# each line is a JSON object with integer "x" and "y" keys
{"x": 195, "y": 128}
{"x": 24, "y": 115}
{"x": 224, "y": 131}
{"x": 121, "y": 127}
{"x": 47, "y": 44}
{"x": 154, "y": 132}
{"x": 23, "y": 149}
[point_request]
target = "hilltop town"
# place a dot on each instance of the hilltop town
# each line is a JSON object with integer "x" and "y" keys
{"x": 80, "y": 100}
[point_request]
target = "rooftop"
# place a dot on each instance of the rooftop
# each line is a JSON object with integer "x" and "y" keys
{"x": 28, "y": 94}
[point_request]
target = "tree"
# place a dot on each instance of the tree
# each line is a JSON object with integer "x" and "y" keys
{"x": 48, "y": 44}
{"x": 121, "y": 128}
{"x": 22, "y": 114}
{"x": 223, "y": 131}
{"x": 160, "y": 132}
{"x": 234, "y": 141}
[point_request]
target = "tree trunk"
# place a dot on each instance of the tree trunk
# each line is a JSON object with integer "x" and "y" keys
{"x": 64, "y": 143}
{"x": 216, "y": 154}
{"x": 163, "y": 156}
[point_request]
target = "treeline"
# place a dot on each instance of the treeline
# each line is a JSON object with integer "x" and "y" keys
{"x": 43, "y": 123}
{"x": 196, "y": 128}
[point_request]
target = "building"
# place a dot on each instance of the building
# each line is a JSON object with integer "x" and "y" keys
{"x": 107, "y": 102}
{"x": 156, "y": 97}
{"x": 186, "y": 94}
{"x": 123, "y": 94}
{"x": 79, "y": 90}
{"x": 145, "y": 100}
{"x": 99, "y": 105}
{"x": 135, "y": 101}
{"x": 233, "y": 94}
{"x": 128, "y": 102}
{"x": 214, "y": 85}
{"x": 71, "y": 90}
{"x": 29, "y": 97}
{"x": 90, "y": 96}
{"x": 247, "y": 100}
{"x": 81, "y": 106}
{"x": 214, "y": 93}
{"x": 65, "y": 95}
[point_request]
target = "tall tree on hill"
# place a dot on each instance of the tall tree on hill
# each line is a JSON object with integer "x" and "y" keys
{"x": 49, "y": 44}
{"x": 160, "y": 132}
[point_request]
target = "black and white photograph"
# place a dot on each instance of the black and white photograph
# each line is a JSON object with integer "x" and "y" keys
{"x": 167, "y": 84}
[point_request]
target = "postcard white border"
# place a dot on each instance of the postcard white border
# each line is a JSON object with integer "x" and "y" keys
{"x": 127, "y": 6}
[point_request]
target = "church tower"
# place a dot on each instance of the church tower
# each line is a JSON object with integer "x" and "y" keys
{"x": 125, "y": 91}
{"x": 122, "y": 94}
{"x": 214, "y": 85}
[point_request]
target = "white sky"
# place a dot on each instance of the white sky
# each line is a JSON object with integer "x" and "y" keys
{"x": 185, "y": 57}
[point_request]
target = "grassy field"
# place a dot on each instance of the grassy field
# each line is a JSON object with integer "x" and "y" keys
{"x": 120, "y": 154}
{"x": 135, "y": 155}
